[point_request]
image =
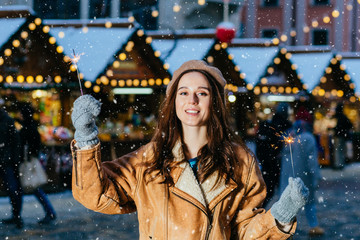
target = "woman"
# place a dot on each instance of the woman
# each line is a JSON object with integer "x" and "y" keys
{"x": 193, "y": 180}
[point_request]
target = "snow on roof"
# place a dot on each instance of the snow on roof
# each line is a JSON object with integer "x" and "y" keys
{"x": 181, "y": 32}
{"x": 311, "y": 66}
{"x": 353, "y": 69}
{"x": 8, "y": 26}
{"x": 86, "y": 21}
{"x": 253, "y": 60}
{"x": 308, "y": 48}
{"x": 185, "y": 50}
{"x": 97, "y": 46}
{"x": 17, "y": 8}
{"x": 349, "y": 54}
{"x": 257, "y": 41}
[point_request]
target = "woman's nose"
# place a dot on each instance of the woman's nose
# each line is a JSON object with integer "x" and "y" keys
{"x": 193, "y": 99}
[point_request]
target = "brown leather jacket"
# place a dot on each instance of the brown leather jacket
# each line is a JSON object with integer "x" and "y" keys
{"x": 187, "y": 210}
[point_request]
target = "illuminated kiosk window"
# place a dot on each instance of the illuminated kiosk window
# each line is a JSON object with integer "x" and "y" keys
{"x": 127, "y": 91}
{"x": 275, "y": 98}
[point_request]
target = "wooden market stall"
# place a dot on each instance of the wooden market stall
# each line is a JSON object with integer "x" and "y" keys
{"x": 32, "y": 70}
{"x": 32, "y": 67}
{"x": 329, "y": 84}
{"x": 351, "y": 62}
{"x": 119, "y": 66}
{"x": 240, "y": 98}
{"x": 269, "y": 77}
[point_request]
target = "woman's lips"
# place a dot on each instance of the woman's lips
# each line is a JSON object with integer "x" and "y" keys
{"x": 192, "y": 111}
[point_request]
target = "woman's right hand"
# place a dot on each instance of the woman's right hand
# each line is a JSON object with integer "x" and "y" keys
{"x": 86, "y": 109}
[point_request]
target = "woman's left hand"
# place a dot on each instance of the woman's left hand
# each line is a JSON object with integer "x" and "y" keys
{"x": 291, "y": 201}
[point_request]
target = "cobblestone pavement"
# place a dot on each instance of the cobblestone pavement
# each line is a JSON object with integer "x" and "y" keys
{"x": 338, "y": 205}
{"x": 338, "y": 212}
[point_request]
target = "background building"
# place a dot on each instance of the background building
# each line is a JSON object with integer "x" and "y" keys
{"x": 197, "y": 14}
{"x": 92, "y": 9}
{"x": 152, "y": 14}
{"x": 300, "y": 22}
{"x": 304, "y": 22}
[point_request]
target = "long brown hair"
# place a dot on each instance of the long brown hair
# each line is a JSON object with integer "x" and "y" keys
{"x": 217, "y": 155}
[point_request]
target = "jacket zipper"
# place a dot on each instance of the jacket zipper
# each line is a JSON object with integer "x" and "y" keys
{"x": 209, "y": 218}
{"x": 75, "y": 166}
{"x": 76, "y": 170}
{"x": 208, "y": 229}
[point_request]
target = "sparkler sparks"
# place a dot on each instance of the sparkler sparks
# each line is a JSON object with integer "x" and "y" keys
{"x": 74, "y": 61}
{"x": 287, "y": 139}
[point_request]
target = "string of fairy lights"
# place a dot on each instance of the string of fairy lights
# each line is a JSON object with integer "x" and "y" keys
{"x": 16, "y": 43}
{"x": 107, "y": 80}
{"x": 317, "y": 91}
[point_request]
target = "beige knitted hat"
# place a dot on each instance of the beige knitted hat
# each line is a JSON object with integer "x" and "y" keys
{"x": 197, "y": 65}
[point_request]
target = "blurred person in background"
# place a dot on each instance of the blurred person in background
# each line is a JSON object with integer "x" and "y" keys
{"x": 305, "y": 159}
{"x": 30, "y": 147}
{"x": 269, "y": 146}
{"x": 9, "y": 166}
{"x": 303, "y": 113}
{"x": 342, "y": 133}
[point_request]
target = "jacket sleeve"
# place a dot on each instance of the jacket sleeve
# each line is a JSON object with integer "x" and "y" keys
{"x": 107, "y": 187}
{"x": 252, "y": 221}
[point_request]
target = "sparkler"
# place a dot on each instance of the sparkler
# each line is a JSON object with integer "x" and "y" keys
{"x": 288, "y": 139}
{"x": 75, "y": 61}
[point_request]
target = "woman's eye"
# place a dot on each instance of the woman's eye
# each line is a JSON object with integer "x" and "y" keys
{"x": 202, "y": 94}
{"x": 182, "y": 93}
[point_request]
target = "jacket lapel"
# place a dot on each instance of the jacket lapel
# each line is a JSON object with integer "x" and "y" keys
{"x": 188, "y": 187}
{"x": 188, "y": 183}
{"x": 215, "y": 194}
{"x": 185, "y": 182}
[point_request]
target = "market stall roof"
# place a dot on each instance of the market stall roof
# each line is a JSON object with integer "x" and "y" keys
{"x": 95, "y": 43}
{"x": 352, "y": 64}
{"x": 8, "y": 27}
{"x": 136, "y": 64}
{"x": 176, "y": 52}
{"x": 11, "y": 19}
{"x": 179, "y": 46}
{"x": 252, "y": 60}
{"x": 311, "y": 64}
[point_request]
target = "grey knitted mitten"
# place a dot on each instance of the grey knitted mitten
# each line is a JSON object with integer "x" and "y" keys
{"x": 86, "y": 109}
{"x": 291, "y": 201}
